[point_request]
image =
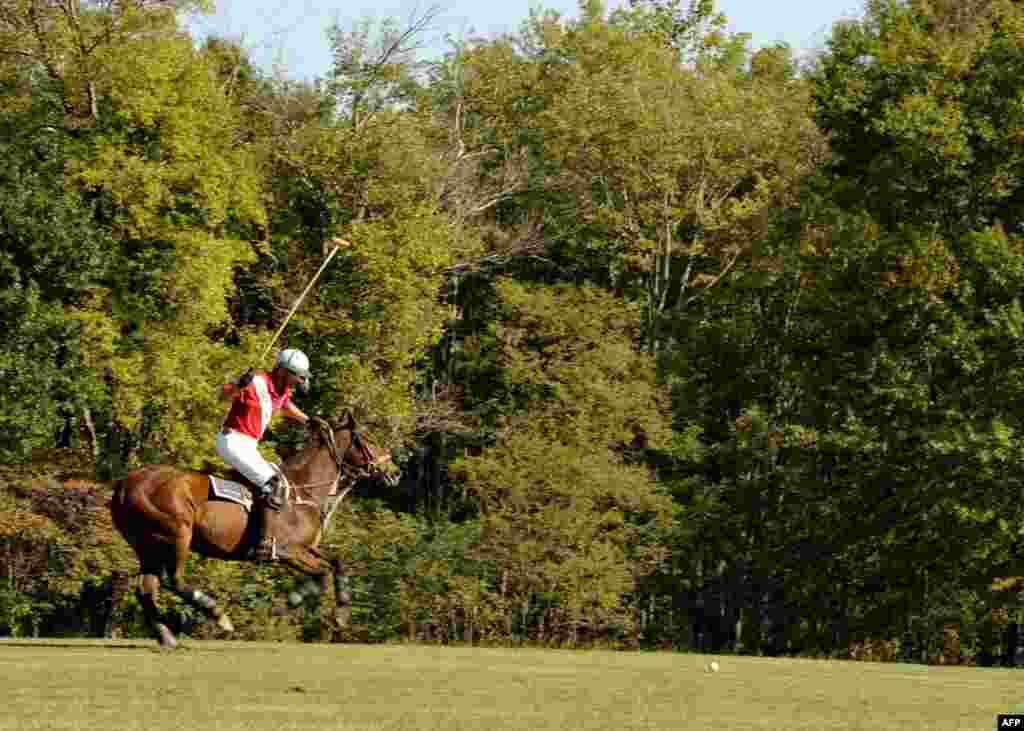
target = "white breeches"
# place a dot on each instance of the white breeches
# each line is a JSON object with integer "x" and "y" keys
{"x": 239, "y": 451}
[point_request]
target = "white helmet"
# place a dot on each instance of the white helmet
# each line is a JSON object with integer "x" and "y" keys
{"x": 295, "y": 361}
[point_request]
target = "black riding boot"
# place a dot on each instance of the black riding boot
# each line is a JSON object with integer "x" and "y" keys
{"x": 269, "y": 503}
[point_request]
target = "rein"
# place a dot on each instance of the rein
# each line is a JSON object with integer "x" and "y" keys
{"x": 346, "y": 473}
{"x": 344, "y": 470}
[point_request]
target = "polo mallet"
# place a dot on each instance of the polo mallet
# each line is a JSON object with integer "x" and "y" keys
{"x": 338, "y": 244}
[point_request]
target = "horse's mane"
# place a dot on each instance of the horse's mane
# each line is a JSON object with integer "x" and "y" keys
{"x": 299, "y": 458}
{"x": 307, "y": 451}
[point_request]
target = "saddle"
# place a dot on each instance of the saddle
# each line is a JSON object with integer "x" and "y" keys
{"x": 232, "y": 490}
{"x": 234, "y": 487}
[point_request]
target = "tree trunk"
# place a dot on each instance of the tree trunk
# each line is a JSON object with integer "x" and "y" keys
{"x": 90, "y": 430}
{"x": 752, "y": 639}
{"x": 1012, "y": 637}
{"x": 435, "y": 477}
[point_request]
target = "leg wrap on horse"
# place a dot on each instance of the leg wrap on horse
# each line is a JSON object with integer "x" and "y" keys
{"x": 342, "y": 585}
{"x": 203, "y": 601}
{"x": 308, "y": 590}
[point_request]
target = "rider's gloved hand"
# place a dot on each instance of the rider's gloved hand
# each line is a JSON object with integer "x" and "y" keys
{"x": 315, "y": 422}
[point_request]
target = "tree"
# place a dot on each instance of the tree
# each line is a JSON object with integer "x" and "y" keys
{"x": 375, "y": 66}
{"x": 70, "y": 40}
{"x": 918, "y": 104}
{"x": 565, "y": 520}
{"x": 52, "y": 255}
{"x": 859, "y": 391}
{"x": 666, "y": 169}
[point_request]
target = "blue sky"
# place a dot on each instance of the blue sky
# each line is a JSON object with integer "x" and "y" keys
{"x": 292, "y": 31}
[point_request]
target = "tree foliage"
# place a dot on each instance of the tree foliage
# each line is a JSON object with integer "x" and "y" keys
{"x": 680, "y": 343}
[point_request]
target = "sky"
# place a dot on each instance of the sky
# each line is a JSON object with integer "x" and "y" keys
{"x": 291, "y": 33}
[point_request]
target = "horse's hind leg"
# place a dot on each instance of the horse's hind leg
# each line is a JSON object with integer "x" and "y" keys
{"x": 151, "y": 571}
{"x": 195, "y": 597}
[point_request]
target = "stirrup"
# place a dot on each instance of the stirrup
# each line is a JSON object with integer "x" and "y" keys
{"x": 271, "y": 503}
{"x": 265, "y": 495}
{"x": 265, "y": 551}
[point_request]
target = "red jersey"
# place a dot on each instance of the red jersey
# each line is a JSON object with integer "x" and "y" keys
{"x": 255, "y": 404}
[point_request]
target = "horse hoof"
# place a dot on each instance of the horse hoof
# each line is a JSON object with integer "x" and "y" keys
{"x": 224, "y": 622}
{"x": 166, "y": 638}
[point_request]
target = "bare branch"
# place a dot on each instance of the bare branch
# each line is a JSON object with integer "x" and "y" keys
{"x": 442, "y": 412}
{"x": 530, "y": 244}
{"x": 483, "y": 207}
{"x": 21, "y": 54}
{"x": 415, "y": 27}
{"x": 714, "y": 282}
{"x": 71, "y": 12}
{"x": 461, "y": 144}
{"x": 392, "y": 48}
{"x": 47, "y": 60}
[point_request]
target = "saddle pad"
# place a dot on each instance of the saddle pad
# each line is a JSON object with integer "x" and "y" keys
{"x": 233, "y": 491}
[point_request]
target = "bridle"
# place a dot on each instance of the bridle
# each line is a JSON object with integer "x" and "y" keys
{"x": 346, "y": 474}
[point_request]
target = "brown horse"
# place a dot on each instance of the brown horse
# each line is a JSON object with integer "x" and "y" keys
{"x": 164, "y": 513}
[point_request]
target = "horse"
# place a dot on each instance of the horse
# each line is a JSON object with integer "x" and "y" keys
{"x": 165, "y": 513}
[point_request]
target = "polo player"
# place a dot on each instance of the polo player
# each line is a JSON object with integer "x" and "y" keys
{"x": 255, "y": 398}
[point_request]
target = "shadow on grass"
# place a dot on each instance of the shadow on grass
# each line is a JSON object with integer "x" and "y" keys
{"x": 63, "y": 645}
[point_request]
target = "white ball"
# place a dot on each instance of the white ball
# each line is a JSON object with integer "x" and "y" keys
{"x": 713, "y": 666}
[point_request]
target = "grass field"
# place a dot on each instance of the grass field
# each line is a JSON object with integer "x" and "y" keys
{"x": 227, "y": 685}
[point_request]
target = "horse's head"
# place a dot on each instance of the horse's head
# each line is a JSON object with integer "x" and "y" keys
{"x": 356, "y": 456}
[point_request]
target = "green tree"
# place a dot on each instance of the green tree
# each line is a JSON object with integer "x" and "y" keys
{"x": 183, "y": 198}
{"x": 152, "y": 148}
{"x": 52, "y": 255}
{"x": 858, "y": 388}
{"x": 565, "y": 520}
{"x": 919, "y": 104}
{"x": 71, "y": 40}
{"x": 657, "y": 173}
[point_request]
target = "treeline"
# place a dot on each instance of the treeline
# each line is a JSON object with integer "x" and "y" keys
{"x": 679, "y": 344}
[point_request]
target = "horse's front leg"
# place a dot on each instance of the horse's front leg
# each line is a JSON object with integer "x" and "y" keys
{"x": 319, "y": 569}
{"x": 317, "y": 586}
{"x": 310, "y": 589}
{"x": 304, "y": 562}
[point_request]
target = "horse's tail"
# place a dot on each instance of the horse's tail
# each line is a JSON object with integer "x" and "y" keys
{"x": 118, "y": 494}
{"x": 116, "y": 503}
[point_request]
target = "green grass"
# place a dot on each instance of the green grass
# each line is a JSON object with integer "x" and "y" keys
{"x": 213, "y": 686}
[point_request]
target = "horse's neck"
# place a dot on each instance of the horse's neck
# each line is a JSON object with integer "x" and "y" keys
{"x": 315, "y": 473}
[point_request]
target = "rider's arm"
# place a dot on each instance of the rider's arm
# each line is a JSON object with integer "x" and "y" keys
{"x": 294, "y": 412}
{"x": 233, "y": 389}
